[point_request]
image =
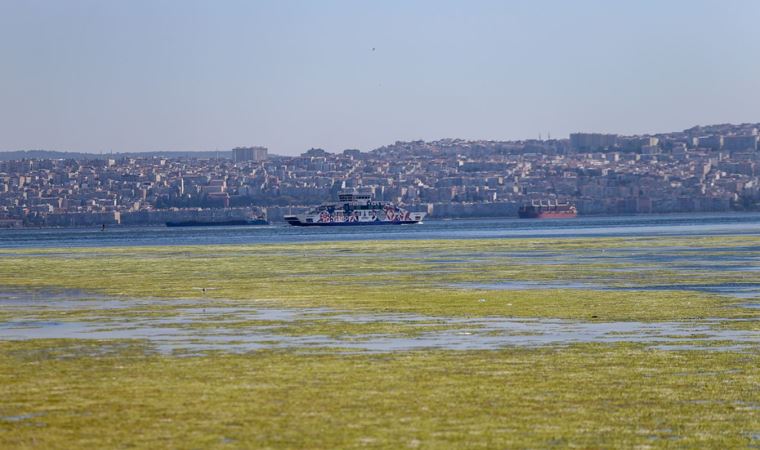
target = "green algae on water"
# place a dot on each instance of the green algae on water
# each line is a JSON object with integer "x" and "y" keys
{"x": 591, "y": 396}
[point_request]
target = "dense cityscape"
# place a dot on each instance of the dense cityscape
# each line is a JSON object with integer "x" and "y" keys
{"x": 701, "y": 169}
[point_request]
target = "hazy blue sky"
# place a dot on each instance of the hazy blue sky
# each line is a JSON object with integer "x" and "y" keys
{"x": 194, "y": 75}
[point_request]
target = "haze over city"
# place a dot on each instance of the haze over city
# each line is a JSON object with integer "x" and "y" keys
{"x": 190, "y": 75}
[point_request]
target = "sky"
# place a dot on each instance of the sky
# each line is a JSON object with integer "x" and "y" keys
{"x": 146, "y": 75}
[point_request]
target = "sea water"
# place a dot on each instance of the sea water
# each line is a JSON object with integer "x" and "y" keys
{"x": 596, "y": 226}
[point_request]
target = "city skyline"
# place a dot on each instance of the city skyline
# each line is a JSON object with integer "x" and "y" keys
{"x": 182, "y": 76}
{"x": 705, "y": 169}
{"x": 708, "y": 130}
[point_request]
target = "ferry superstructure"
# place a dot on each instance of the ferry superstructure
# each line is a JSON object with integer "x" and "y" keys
{"x": 353, "y": 209}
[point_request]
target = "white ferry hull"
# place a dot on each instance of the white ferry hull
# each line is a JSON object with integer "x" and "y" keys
{"x": 332, "y": 221}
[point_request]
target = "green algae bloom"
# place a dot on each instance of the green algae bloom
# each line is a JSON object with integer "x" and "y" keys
{"x": 444, "y": 278}
{"x": 77, "y": 394}
{"x": 95, "y": 393}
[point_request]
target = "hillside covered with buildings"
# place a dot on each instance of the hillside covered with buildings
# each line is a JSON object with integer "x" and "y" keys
{"x": 707, "y": 168}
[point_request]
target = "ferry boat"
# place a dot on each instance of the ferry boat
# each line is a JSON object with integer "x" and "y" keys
{"x": 355, "y": 208}
{"x": 547, "y": 210}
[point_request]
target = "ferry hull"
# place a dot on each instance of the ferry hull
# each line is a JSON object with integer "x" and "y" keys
{"x": 299, "y": 223}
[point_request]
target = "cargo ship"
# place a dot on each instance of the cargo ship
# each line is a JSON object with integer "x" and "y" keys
{"x": 352, "y": 209}
{"x": 218, "y": 223}
{"x": 547, "y": 210}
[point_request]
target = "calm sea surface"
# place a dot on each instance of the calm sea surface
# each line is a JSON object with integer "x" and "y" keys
{"x": 650, "y": 225}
